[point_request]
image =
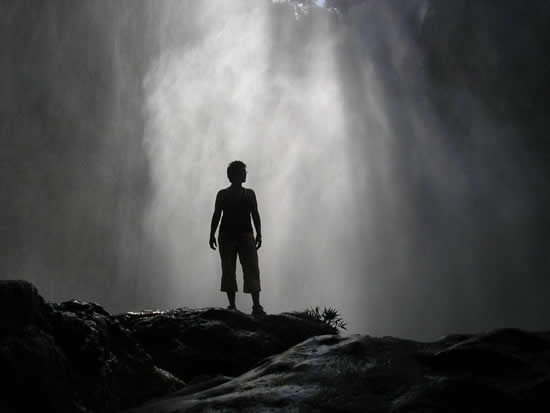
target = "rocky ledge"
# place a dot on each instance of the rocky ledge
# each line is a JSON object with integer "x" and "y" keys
{"x": 76, "y": 357}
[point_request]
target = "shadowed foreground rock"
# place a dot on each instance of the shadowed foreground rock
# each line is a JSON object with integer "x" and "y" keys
{"x": 195, "y": 344}
{"x": 76, "y": 357}
{"x": 70, "y": 357}
{"x": 501, "y": 371}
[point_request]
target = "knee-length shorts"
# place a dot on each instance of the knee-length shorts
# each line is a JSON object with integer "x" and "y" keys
{"x": 243, "y": 245}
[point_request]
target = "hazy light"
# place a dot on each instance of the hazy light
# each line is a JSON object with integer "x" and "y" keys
{"x": 226, "y": 97}
{"x": 366, "y": 204}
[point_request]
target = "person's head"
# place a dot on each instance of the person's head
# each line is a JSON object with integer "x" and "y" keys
{"x": 236, "y": 172}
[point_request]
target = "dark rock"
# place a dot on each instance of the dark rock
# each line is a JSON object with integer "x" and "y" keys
{"x": 70, "y": 357}
{"x": 367, "y": 374}
{"x": 35, "y": 374}
{"x": 215, "y": 341}
{"x": 111, "y": 370}
{"x": 20, "y": 305}
{"x": 76, "y": 357}
{"x": 457, "y": 394}
{"x": 503, "y": 351}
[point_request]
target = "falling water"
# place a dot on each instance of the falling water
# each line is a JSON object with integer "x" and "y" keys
{"x": 244, "y": 91}
{"x": 391, "y": 168}
{"x": 366, "y": 203}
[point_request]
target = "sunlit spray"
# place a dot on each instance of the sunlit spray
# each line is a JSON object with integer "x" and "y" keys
{"x": 229, "y": 96}
{"x": 366, "y": 205}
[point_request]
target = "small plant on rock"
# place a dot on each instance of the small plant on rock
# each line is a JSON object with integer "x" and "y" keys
{"x": 329, "y": 316}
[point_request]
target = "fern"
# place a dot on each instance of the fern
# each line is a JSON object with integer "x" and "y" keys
{"x": 328, "y": 316}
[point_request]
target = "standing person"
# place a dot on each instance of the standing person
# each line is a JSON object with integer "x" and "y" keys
{"x": 236, "y": 236}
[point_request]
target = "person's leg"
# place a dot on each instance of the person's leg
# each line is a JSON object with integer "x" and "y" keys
{"x": 256, "y": 299}
{"x": 248, "y": 255}
{"x": 228, "y": 254}
{"x": 231, "y": 298}
{"x": 257, "y": 309}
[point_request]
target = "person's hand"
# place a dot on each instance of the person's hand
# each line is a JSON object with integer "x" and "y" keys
{"x": 212, "y": 242}
{"x": 258, "y": 241}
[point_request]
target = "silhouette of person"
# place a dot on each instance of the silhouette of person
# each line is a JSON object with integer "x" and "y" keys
{"x": 236, "y": 236}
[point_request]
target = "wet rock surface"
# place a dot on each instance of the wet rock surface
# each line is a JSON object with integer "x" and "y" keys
{"x": 504, "y": 370}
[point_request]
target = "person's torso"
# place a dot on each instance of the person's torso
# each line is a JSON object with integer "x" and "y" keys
{"x": 236, "y": 209}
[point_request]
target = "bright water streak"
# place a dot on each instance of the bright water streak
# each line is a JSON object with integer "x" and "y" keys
{"x": 368, "y": 203}
{"x": 226, "y": 97}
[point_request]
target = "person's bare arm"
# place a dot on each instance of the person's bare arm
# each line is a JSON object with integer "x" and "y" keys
{"x": 215, "y": 221}
{"x": 257, "y": 221}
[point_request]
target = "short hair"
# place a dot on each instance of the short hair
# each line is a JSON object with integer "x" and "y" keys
{"x": 233, "y": 169}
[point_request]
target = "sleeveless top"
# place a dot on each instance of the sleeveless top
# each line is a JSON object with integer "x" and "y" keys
{"x": 236, "y": 208}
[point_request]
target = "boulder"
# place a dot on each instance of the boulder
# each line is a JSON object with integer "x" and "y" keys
{"x": 110, "y": 368}
{"x": 75, "y": 357}
{"x": 20, "y": 305}
{"x": 70, "y": 357}
{"x": 35, "y": 374}
{"x": 215, "y": 341}
{"x": 360, "y": 373}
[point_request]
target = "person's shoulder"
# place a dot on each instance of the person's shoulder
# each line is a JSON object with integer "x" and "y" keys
{"x": 251, "y": 196}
